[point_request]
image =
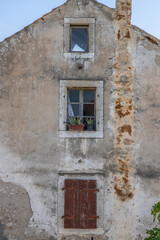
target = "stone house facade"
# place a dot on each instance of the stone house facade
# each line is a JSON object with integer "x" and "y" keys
{"x": 86, "y": 60}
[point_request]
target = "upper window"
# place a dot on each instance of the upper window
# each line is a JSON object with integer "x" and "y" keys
{"x": 81, "y": 106}
{"x": 79, "y": 38}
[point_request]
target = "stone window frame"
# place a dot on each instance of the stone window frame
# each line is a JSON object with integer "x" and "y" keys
{"x": 99, "y": 177}
{"x": 64, "y": 85}
{"x": 91, "y": 35}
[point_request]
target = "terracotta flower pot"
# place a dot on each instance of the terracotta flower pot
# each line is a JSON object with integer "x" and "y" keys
{"x": 76, "y": 127}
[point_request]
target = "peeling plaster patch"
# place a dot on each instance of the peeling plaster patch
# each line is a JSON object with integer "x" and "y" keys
{"x": 15, "y": 171}
{"x": 15, "y": 210}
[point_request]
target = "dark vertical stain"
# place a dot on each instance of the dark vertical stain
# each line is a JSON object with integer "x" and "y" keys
{"x": 2, "y": 237}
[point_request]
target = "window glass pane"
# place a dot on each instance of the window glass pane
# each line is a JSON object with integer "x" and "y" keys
{"x": 88, "y": 109}
{"x": 79, "y": 39}
{"x": 73, "y": 96}
{"x": 88, "y": 95}
{"x": 73, "y": 110}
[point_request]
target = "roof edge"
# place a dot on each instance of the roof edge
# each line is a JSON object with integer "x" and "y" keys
{"x": 41, "y": 18}
{"x": 148, "y": 36}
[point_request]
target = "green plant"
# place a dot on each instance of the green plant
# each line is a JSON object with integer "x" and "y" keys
{"x": 75, "y": 120}
{"x": 72, "y": 120}
{"x": 79, "y": 120}
{"x": 154, "y": 234}
{"x": 155, "y": 211}
{"x": 89, "y": 120}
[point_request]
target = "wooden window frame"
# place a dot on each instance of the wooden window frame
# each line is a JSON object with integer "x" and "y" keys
{"x": 81, "y": 104}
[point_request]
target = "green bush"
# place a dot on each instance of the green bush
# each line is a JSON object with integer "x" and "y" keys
{"x": 154, "y": 234}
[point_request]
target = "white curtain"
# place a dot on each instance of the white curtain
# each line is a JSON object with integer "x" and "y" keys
{"x": 70, "y": 109}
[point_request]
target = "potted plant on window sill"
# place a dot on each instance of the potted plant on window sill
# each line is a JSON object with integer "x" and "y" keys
{"x": 75, "y": 124}
{"x": 90, "y": 124}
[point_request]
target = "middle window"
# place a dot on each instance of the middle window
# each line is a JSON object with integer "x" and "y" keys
{"x": 81, "y": 110}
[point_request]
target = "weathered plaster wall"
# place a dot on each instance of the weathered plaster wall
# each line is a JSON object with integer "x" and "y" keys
{"x": 145, "y": 53}
{"x": 31, "y": 153}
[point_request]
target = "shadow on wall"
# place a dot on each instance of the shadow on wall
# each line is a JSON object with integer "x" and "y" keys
{"x": 1, "y": 232}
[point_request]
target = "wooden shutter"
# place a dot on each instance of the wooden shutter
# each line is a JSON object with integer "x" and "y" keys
{"x": 68, "y": 206}
{"x": 88, "y": 204}
{"x": 80, "y": 204}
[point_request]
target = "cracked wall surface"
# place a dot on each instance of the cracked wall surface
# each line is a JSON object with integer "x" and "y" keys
{"x": 33, "y": 156}
{"x": 15, "y": 210}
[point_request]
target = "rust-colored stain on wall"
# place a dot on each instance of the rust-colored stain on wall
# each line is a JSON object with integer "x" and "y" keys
{"x": 122, "y": 184}
{"x": 126, "y": 128}
{"x": 124, "y": 108}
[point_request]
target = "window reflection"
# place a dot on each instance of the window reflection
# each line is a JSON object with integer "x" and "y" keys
{"x": 79, "y": 39}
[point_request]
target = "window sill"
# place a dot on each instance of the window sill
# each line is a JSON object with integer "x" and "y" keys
{"x": 78, "y": 55}
{"x": 97, "y": 231}
{"x": 80, "y": 134}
